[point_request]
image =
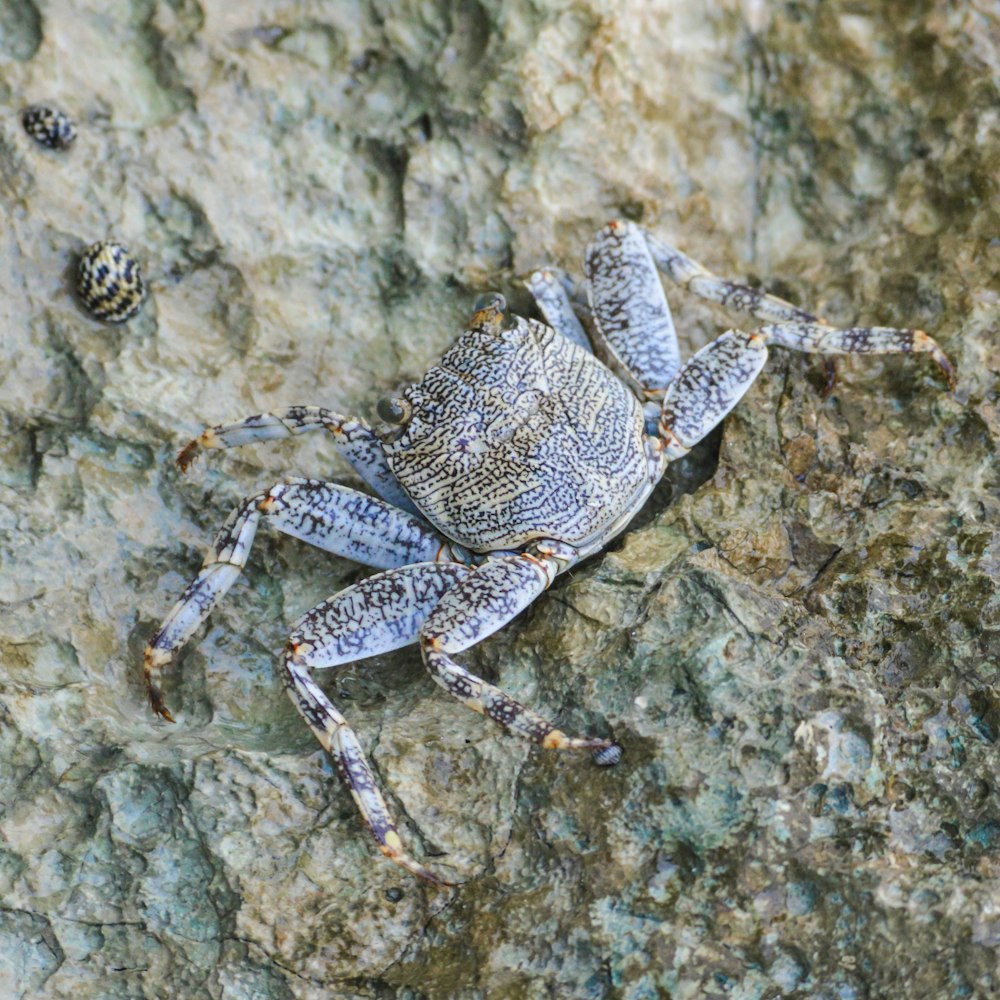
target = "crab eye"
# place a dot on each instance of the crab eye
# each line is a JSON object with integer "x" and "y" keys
{"x": 491, "y": 300}
{"x": 490, "y": 312}
{"x": 393, "y": 410}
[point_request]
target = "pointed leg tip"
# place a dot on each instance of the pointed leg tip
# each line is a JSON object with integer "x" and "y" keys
{"x": 923, "y": 341}
{"x": 414, "y": 867}
{"x": 830, "y": 373}
{"x": 187, "y": 455}
{"x": 153, "y": 661}
{"x": 609, "y": 751}
{"x": 436, "y": 880}
{"x": 157, "y": 704}
{"x": 948, "y": 370}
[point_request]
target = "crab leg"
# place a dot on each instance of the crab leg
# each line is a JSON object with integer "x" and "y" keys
{"x": 698, "y": 280}
{"x": 817, "y": 338}
{"x": 715, "y": 379}
{"x": 549, "y": 288}
{"x": 475, "y": 608}
{"x": 709, "y": 385}
{"x": 327, "y": 515}
{"x": 633, "y": 325}
{"x": 789, "y": 326}
{"x": 381, "y": 613}
{"x": 353, "y": 439}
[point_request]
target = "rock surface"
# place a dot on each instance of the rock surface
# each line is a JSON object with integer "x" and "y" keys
{"x": 796, "y": 645}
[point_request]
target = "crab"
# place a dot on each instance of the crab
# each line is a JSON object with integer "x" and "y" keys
{"x": 515, "y": 457}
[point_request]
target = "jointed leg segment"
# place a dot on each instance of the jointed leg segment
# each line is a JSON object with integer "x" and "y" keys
{"x": 353, "y": 438}
{"x": 708, "y": 387}
{"x": 477, "y": 607}
{"x": 381, "y": 613}
{"x": 548, "y": 287}
{"x": 634, "y": 331}
{"x": 327, "y": 515}
{"x": 632, "y": 320}
{"x": 449, "y": 607}
{"x": 817, "y": 338}
{"x": 698, "y": 280}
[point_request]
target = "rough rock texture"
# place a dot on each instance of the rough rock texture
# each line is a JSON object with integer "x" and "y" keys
{"x": 797, "y": 649}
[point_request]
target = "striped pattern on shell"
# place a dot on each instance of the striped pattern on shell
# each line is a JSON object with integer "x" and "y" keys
{"x": 608, "y": 756}
{"x": 109, "y": 282}
{"x": 520, "y": 434}
{"x": 49, "y": 127}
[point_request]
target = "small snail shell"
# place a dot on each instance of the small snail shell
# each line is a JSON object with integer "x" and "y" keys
{"x": 109, "y": 282}
{"x": 49, "y": 127}
{"x": 608, "y": 756}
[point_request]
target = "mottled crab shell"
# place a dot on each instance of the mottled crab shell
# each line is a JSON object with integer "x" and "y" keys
{"x": 519, "y": 434}
{"x": 109, "y": 282}
{"x": 49, "y": 127}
